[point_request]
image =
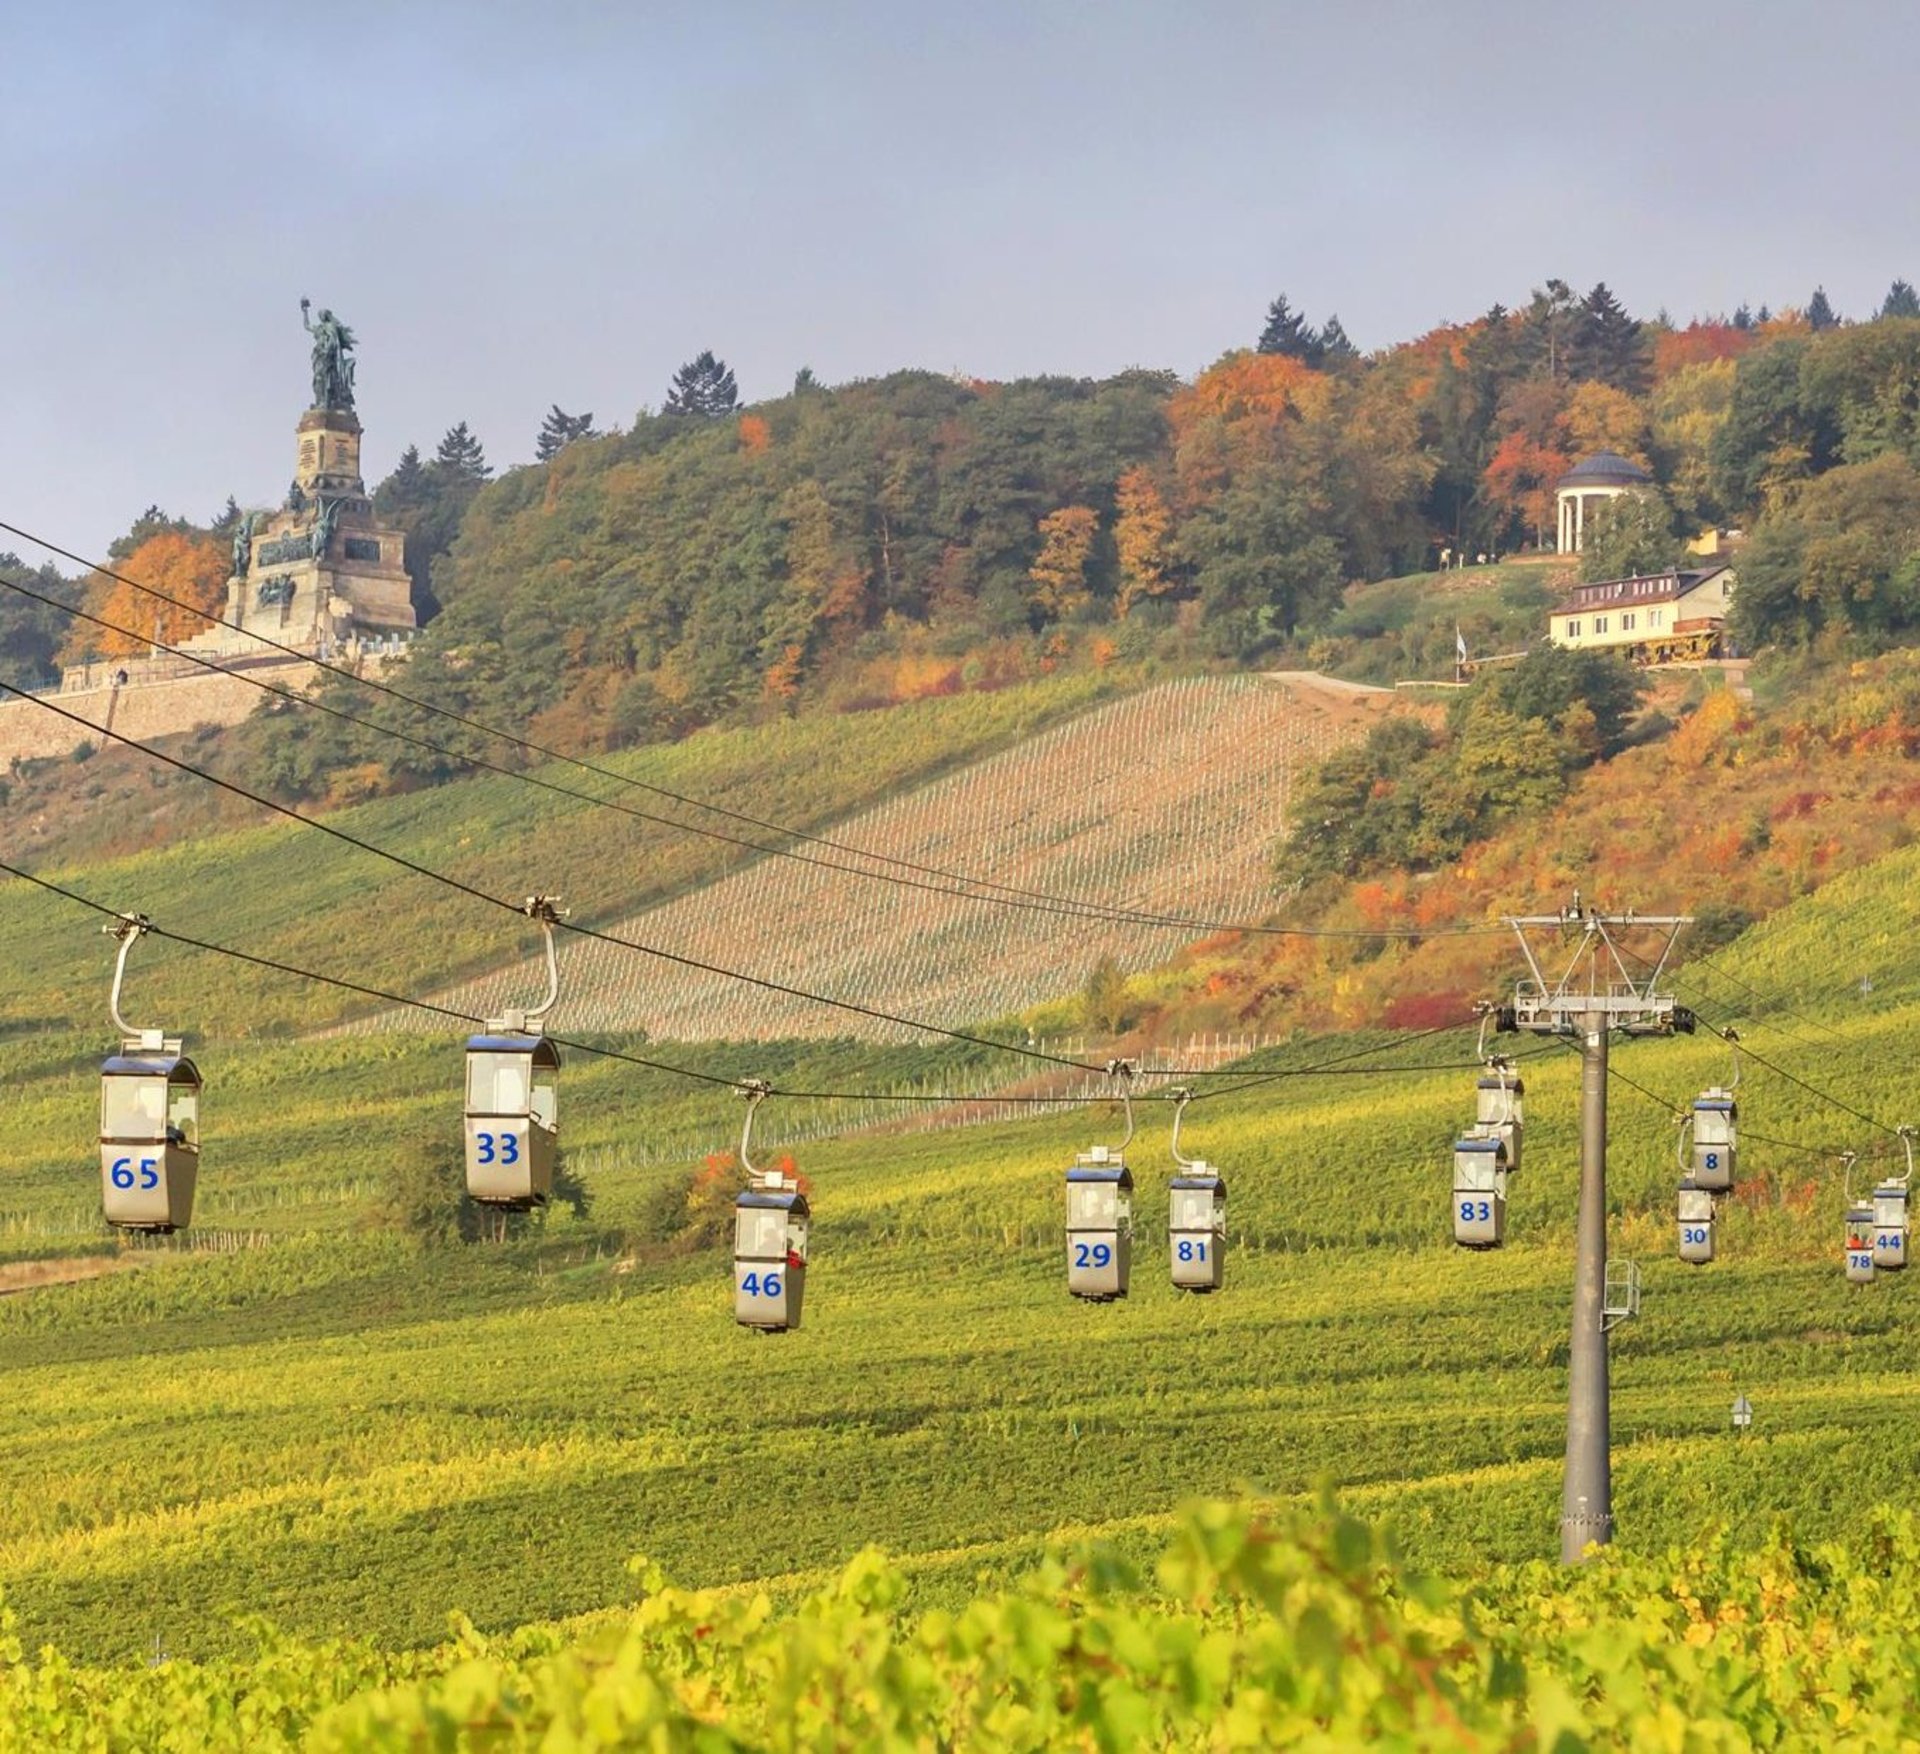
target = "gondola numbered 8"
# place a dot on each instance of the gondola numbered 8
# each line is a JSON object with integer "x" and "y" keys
{"x": 512, "y": 1123}
{"x": 1197, "y": 1215}
{"x": 149, "y": 1116}
{"x": 1715, "y": 1120}
{"x": 1100, "y": 1210}
{"x": 770, "y": 1221}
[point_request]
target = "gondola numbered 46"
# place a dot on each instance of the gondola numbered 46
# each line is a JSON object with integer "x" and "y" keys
{"x": 770, "y": 1224}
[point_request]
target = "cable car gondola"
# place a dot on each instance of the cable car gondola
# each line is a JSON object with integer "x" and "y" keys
{"x": 512, "y": 1125}
{"x": 1100, "y": 1210}
{"x": 770, "y": 1222}
{"x": 149, "y": 1116}
{"x": 1197, "y": 1218}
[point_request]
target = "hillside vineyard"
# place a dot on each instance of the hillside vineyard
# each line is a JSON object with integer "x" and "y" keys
{"x": 1166, "y": 801}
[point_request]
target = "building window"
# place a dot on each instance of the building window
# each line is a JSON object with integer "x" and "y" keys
{"x": 1658, "y": 617}
{"x": 1599, "y": 624}
{"x": 1626, "y": 622}
{"x": 1573, "y": 630}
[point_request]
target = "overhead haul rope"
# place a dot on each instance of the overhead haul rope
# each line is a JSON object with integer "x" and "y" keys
{"x": 1003, "y": 894}
{"x": 478, "y": 894}
{"x": 1774, "y": 1067}
{"x": 1329, "y": 1068}
{"x": 1747, "y": 1134}
{"x": 1066, "y": 908}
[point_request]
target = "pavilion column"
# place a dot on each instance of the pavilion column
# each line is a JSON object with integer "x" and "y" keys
{"x": 1579, "y": 520}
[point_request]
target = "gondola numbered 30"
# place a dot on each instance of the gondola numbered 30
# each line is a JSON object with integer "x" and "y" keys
{"x": 512, "y": 1124}
{"x": 770, "y": 1225}
{"x": 149, "y": 1116}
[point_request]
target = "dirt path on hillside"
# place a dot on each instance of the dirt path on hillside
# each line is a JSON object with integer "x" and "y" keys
{"x": 38, "y": 1275}
{"x": 1313, "y": 682}
{"x": 1342, "y": 703}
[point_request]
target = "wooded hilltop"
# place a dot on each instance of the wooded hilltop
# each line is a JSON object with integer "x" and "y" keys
{"x": 919, "y": 534}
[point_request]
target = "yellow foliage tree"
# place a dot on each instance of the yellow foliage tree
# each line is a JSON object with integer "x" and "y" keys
{"x": 190, "y": 569}
{"x": 1601, "y": 418}
{"x": 1141, "y": 526}
{"x": 1059, "y": 572}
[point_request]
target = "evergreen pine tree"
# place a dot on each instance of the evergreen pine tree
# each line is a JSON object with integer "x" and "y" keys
{"x": 1335, "y": 348}
{"x": 1551, "y": 327}
{"x": 229, "y": 516}
{"x": 1607, "y": 344}
{"x": 1290, "y": 333}
{"x": 460, "y": 453}
{"x": 1743, "y": 318}
{"x": 407, "y": 488}
{"x": 1901, "y": 301}
{"x": 1764, "y": 314}
{"x": 804, "y": 381}
{"x": 1820, "y": 314}
{"x": 559, "y": 430}
{"x": 702, "y": 387}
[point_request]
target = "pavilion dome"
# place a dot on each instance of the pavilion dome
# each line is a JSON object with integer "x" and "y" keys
{"x": 1604, "y": 469}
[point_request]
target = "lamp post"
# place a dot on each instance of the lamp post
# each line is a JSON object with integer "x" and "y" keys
{"x": 1742, "y": 1413}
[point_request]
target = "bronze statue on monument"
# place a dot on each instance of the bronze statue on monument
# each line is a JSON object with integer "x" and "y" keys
{"x": 332, "y": 358}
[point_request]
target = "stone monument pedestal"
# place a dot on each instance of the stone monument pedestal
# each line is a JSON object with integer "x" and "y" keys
{"x": 321, "y": 573}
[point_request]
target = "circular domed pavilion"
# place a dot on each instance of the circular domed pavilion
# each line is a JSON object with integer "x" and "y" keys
{"x": 1603, "y": 476}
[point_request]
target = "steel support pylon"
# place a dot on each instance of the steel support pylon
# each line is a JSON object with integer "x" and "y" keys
{"x": 1586, "y": 1500}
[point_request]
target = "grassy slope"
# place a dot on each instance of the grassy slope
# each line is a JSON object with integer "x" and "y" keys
{"x": 339, "y": 1433}
{"x": 1398, "y": 629}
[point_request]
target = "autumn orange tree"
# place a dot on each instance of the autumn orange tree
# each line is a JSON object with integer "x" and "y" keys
{"x": 1142, "y": 525}
{"x": 1059, "y": 572}
{"x": 190, "y": 568}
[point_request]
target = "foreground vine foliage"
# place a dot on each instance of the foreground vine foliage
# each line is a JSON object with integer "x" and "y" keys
{"x": 1254, "y": 1631}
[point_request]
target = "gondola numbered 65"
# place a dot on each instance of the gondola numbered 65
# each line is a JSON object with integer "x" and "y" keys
{"x": 149, "y": 1116}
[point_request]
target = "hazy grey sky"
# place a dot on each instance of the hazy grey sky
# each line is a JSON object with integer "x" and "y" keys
{"x": 521, "y": 204}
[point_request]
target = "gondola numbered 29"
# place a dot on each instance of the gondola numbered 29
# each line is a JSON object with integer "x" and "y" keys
{"x": 149, "y": 1116}
{"x": 1100, "y": 1211}
{"x": 512, "y": 1123}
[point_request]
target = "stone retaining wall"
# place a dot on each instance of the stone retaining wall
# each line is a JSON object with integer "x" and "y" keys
{"x": 143, "y": 710}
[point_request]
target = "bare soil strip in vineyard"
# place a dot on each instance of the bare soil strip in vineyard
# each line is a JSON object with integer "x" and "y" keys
{"x": 1168, "y": 801}
{"x": 19, "y": 1276}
